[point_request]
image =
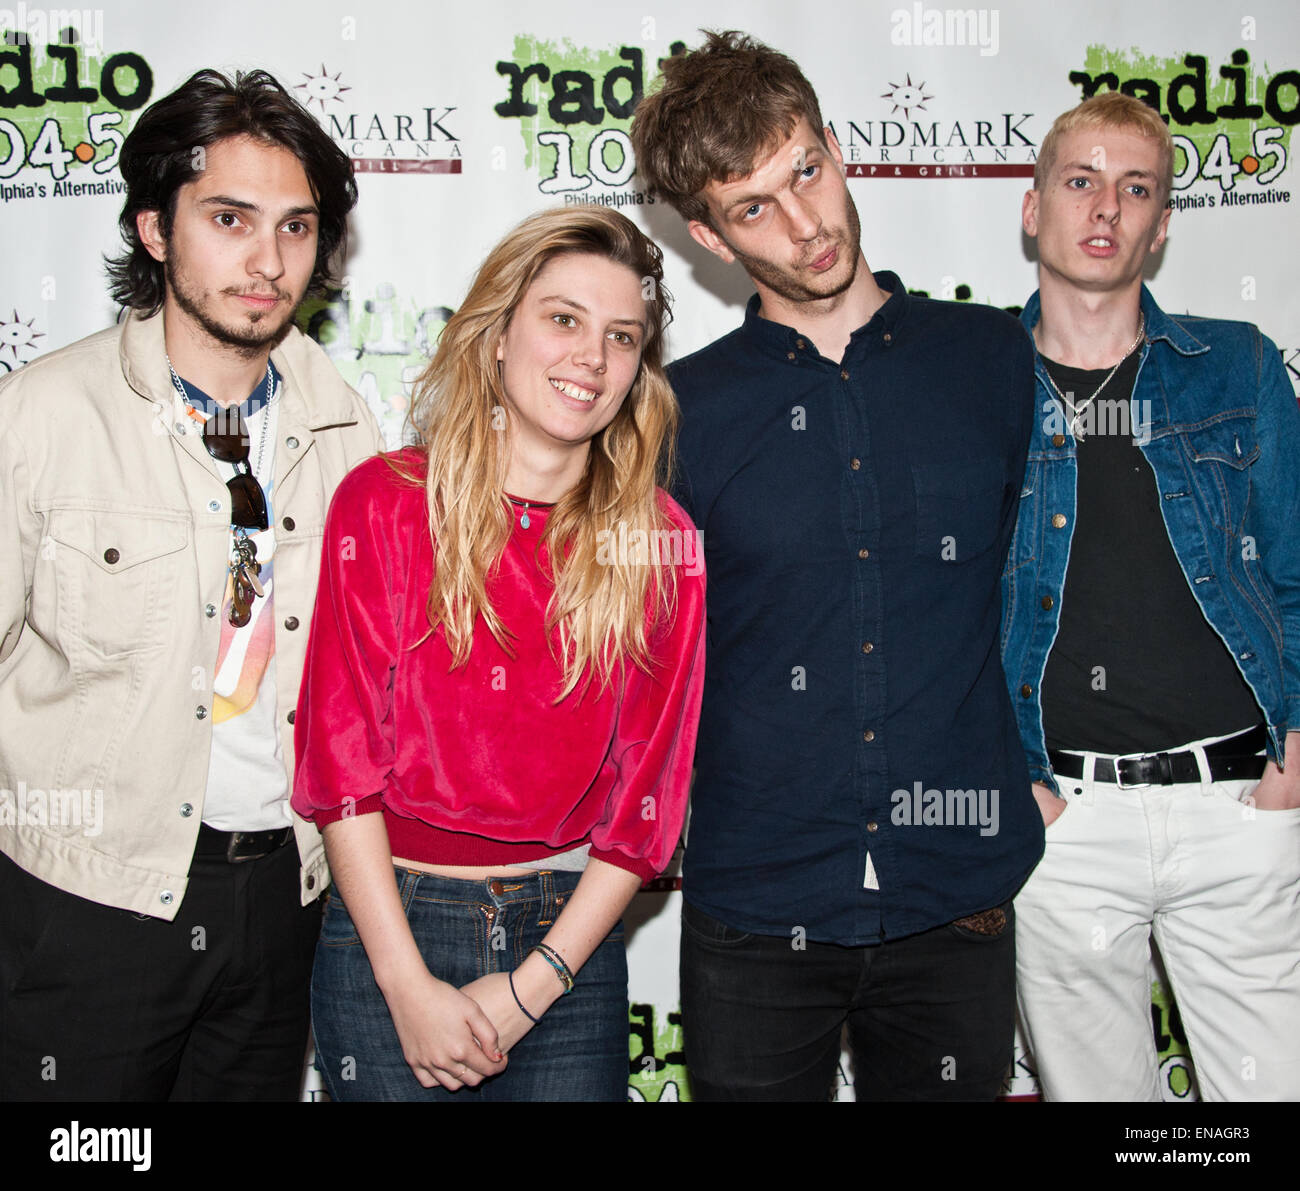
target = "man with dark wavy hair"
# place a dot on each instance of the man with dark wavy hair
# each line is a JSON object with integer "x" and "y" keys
{"x": 861, "y": 815}
{"x": 163, "y": 487}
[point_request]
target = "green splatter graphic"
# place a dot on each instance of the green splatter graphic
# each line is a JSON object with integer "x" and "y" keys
{"x": 1220, "y": 92}
{"x": 656, "y": 1072}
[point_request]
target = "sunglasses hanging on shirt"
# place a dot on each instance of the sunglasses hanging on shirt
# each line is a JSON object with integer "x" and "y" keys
{"x": 225, "y": 435}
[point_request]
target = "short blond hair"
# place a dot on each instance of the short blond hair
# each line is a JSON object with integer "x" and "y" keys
{"x": 1111, "y": 109}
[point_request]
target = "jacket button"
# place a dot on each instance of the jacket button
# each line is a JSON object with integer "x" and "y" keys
{"x": 1058, "y": 520}
{"x": 311, "y": 882}
{"x": 289, "y": 717}
{"x": 209, "y": 610}
{"x": 214, "y": 506}
{"x": 288, "y": 523}
{"x": 111, "y": 556}
{"x": 166, "y": 897}
{"x": 186, "y": 810}
{"x": 200, "y": 713}
{"x": 1047, "y": 602}
{"x": 291, "y": 623}
{"x": 1026, "y": 691}
{"x": 1058, "y": 440}
{"x": 292, "y": 444}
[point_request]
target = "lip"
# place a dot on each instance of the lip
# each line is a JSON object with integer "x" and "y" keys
{"x": 573, "y": 402}
{"x": 259, "y": 301}
{"x": 1101, "y": 251}
{"x": 825, "y": 261}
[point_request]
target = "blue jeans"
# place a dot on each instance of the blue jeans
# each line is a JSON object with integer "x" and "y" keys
{"x": 464, "y": 930}
{"x": 930, "y": 1016}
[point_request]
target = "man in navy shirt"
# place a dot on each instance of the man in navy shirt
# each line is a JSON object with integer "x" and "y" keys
{"x": 853, "y": 455}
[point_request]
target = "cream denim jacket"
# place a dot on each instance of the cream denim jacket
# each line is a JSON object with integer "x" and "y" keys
{"x": 114, "y": 545}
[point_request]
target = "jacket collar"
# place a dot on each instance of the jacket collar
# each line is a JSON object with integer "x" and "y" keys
{"x": 1159, "y": 326}
{"x": 311, "y": 396}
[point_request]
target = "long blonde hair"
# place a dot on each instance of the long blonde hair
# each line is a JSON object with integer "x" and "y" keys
{"x": 600, "y": 606}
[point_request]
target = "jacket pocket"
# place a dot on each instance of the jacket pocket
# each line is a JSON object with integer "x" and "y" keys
{"x": 1222, "y": 453}
{"x": 117, "y": 575}
{"x": 958, "y": 509}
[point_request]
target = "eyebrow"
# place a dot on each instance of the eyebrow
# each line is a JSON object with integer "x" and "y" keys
{"x": 581, "y": 309}
{"x": 1088, "y": 168}
{"x": 228, "y": 200}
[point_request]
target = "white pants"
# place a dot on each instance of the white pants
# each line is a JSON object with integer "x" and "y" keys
{"x": 1218, "y": 883}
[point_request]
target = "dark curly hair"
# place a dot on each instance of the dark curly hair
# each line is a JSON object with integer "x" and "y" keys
{"x": 158, "y": 159}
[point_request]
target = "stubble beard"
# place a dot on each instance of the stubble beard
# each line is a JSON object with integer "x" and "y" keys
{"x": 260, "y": 333}
{"x": 784, "y": 281}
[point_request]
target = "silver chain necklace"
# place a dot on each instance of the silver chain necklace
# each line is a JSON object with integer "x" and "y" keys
{"x": 1077, "y": 411}
{"x": 266, "y": 413}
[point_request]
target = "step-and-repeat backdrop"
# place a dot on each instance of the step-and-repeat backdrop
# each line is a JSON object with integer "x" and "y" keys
{"x": 462, "y": 119}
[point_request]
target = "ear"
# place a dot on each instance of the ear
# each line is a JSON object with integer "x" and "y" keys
{"x": 834, "y": 146}
{"x": 706, "y": 237}
{"x": 1029, "y": 213}
{"x": 148, "y": 226}
{"x": 1162, "y": 231}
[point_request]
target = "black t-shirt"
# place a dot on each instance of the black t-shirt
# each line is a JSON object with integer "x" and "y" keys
{"x": 1136, "y": 667}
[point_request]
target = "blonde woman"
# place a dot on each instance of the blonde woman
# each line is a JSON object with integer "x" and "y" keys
{"x": 502, "y": 688}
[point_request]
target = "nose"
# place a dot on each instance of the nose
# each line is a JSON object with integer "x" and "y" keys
{"x": 802, "y": 218}
{"x": 265, "y": 257}
{"x": 1106, "y": 204}
{"x": 589, "y": 352}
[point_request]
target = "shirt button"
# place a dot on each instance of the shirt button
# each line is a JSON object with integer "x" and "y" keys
{"x": 209, "y": 610}
{"x": 111, "y": 556}
{"x": 864, "y": 553}
{"x": 868, "y": 736}
{"x": 1026, "y": 691}
{"x": 288, "y": 523}
{"x": 1047, "y": 602}
{"x": 844, "y": 374}
{"x": 292, "y": 444}
{"x": 291, "y": 623}
{"x": 888, "y": 337}
{"x": 166, "y": 897}
{"x": 214, "y": 506}
{"x": 789, "y": 355}
{"x": 800, "y": 344}
{"x": 311, "y": 882}
{"x": 867, "y": 647}
{"x": 289, "y": 717}
{"x": 200, "y": 713}
{"x": 855, "y": 464}
{"x": 873, "y": 826}
{"x": 1058, "y": 520}
{"x": 186, "y": 810}
{"x": 1058, "y": 440}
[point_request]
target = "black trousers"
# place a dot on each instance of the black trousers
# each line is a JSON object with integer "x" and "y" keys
{"x": 97, "y": 1003}
{"x": 930, "y": 1016}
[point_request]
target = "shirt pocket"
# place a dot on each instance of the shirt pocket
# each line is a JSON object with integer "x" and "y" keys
{"x": 958, "y": 509}
{"x": 117, "y": 575}
{"x": 1223, "y": 453}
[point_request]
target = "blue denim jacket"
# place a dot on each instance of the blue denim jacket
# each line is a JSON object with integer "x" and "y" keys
{"x": 1215, "y": 416}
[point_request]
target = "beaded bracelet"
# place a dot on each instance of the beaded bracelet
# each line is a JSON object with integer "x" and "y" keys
{"x": 511, "y": 977}
{"x": 553, "y": 957}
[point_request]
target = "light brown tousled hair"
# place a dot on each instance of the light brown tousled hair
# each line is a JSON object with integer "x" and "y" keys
{"x": 715, "y": 112}
{"x": 605, "y": 612}
{"x": 1110, "y": 109}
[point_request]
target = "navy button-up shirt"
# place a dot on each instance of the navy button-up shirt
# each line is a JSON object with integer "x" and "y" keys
{"x": 859, "y": 772}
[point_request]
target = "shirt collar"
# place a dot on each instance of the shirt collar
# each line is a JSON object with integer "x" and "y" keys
{"x": 790, "y": 344}
{"x": 1158, "y": 324}
{"x": 258, "y": 398}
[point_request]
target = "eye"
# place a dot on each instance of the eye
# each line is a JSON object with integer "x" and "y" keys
{"x": 1138, "y": 190}
{"x": 564, "y": 320}
{"x": 1082, "y": 183}
{"x": 810, "y": 171}
{"x": 227, "y": 219}
{"x": 752, "y": 211}
{"x": 625, "y": 338}
{"x": 296, "y": 227}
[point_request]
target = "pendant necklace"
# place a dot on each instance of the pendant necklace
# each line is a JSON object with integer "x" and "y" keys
{"x": 1077, "y": 411}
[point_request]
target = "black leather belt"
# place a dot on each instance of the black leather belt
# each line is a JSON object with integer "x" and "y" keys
{"x": 238, "y": 846}
{"x": 1237, "y": 757}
